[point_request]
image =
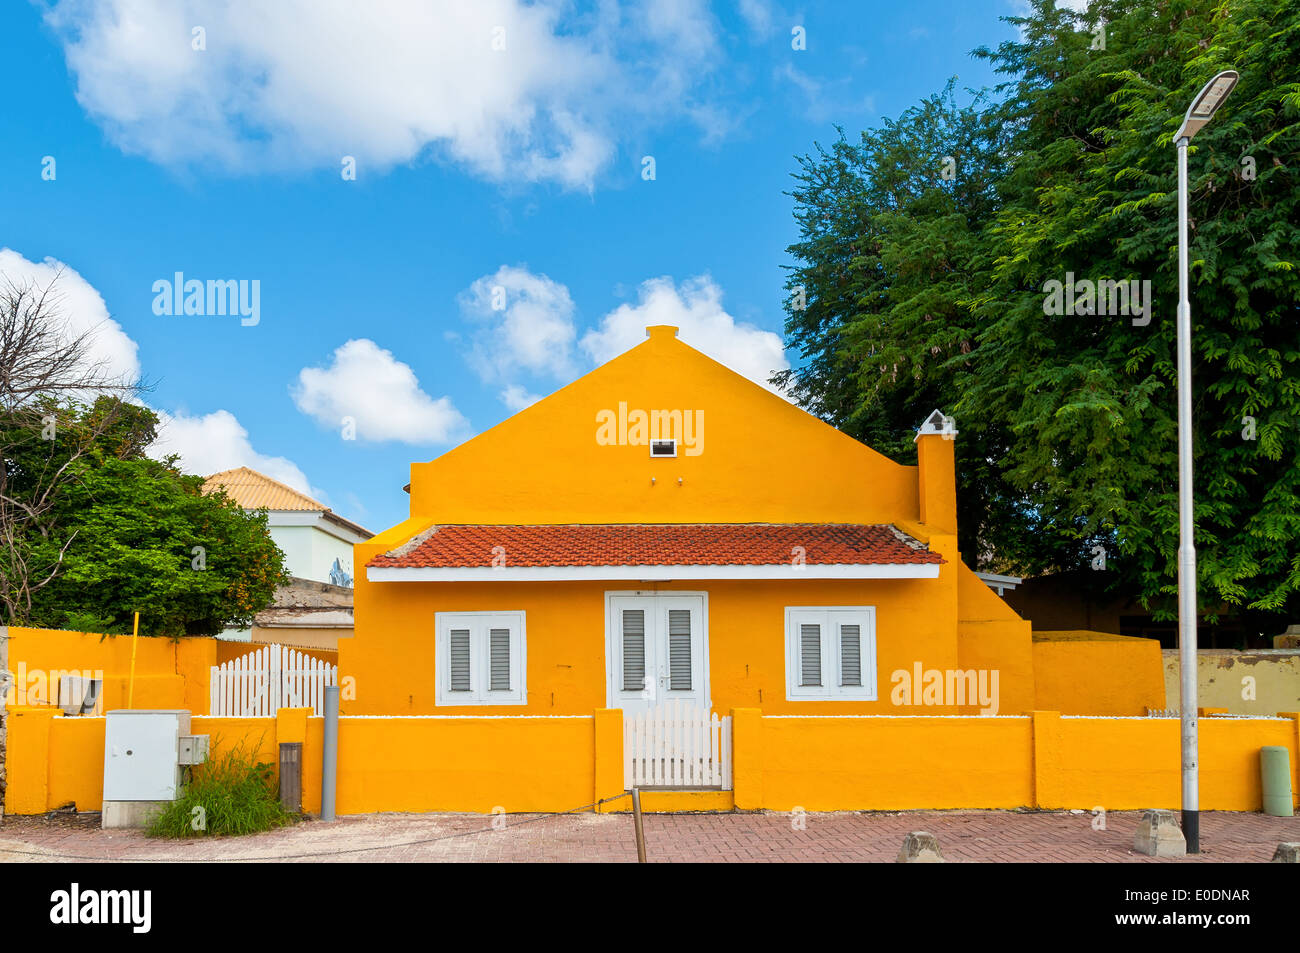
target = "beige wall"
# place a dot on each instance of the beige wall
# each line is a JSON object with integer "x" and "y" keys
{"x": 1271, "y": 675}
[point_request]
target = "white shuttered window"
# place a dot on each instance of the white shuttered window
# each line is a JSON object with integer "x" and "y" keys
{"x": 679, "y": 650}
{"x": 830, "y": 653}
{"x": 479, "y": 658}
{"x": 633, "y": 634}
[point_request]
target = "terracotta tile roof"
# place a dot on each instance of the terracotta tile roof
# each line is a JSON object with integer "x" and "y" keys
{"x": 253, "y": 491}
{"x": 687, "y": 544}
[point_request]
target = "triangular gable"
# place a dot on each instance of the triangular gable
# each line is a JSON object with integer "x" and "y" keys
{"x": 744, "y": 455}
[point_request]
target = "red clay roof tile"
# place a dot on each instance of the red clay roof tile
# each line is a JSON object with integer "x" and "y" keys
{"x": 689, "y": 544}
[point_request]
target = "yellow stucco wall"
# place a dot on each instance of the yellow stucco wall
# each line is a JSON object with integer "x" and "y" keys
{"x": 780, "y": 762}
{"x": 762, "y": 459}
{"x": 1096, "y": 673}
{"x": 168, "y": 673}
{"x": 1133, "y": 763}
{"x": 991, "y": 637}
{"x": 826, "y": 764}
{"x": 467, "y": 764}
{"x": 392, "y": 662}
{"x": 385, "y": 764}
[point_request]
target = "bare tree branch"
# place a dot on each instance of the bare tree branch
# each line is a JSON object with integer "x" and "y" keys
{"x": 47, "y": 372}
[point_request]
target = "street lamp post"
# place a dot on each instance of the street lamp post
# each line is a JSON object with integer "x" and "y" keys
{"x": 1202, "y": 110}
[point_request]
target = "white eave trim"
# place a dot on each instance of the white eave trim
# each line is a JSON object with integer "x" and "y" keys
{"x": 315, "y": 519}
{"x": 651, "y": 573}
{"x": 999, "y": 584}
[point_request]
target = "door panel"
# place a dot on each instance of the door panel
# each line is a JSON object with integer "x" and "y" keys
{"x": 657, "y": 650}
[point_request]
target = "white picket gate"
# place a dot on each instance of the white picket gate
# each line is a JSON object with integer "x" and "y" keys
{"x": 677, "y": 745}
{"x": 272, "y": 677}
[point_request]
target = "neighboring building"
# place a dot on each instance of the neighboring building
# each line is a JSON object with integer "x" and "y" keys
{"x": 566, "y": 561}
{"x": 315, "y": 610}
{"x": 1090, "y": 599}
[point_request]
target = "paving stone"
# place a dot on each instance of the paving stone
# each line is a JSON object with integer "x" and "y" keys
{"x": 848, "y": 836}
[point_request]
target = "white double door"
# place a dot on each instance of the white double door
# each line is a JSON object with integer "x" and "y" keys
{"x": 657, "y": 649}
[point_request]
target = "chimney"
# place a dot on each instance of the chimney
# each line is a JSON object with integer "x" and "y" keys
{"x": 937, "y": 473}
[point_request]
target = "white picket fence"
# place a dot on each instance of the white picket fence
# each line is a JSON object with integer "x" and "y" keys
{"x": 272, "y": 677}
{"x": 677, "y": 745}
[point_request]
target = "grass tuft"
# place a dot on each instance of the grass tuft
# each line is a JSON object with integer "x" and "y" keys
{"x": 230, "y": 795}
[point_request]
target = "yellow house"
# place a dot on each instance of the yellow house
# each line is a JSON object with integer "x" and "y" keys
{"x": 665, "y": 529}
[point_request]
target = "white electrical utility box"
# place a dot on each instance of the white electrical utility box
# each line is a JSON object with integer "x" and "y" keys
{"x": 142, "y": 754}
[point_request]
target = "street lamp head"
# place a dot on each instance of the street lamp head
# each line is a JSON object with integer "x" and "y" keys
{"x": 1207, "y": 103}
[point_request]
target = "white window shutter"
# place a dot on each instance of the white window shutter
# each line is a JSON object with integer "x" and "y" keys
{"x": 499, "y": 660}
{"x": 851, "y": 656}
{"x": 458, "y": 655}
{"x": 679, "y": 650}
{"x": 810, "y": 654}
{"x": 633, "y": 650}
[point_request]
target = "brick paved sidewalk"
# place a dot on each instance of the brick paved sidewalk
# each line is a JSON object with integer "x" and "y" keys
{"x": 1040, "y": 837}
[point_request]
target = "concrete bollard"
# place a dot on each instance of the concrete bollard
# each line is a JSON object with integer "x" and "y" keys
{"x": 1275, "y": 778}
{"x": 920, "y": 848}
{"x": 1288, "y": 852}
{"x": 1158, "y": 835}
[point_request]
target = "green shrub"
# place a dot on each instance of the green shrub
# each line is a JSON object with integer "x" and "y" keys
{"x": 232, "y": 794}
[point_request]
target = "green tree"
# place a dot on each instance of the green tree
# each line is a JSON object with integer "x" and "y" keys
{"x": 138, "y": 535}
{"x": 924, "y": 293}
{"x": 1089, "y": 404}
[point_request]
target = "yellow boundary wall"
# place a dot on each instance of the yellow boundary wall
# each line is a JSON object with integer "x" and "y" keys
{"x": 169, "y": 673}
{"x": 426, "y": 763}
{"x": 537, "y": 763}
{"x": 1043, "y": 760}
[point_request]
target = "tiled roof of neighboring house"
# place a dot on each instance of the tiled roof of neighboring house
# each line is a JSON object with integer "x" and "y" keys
{"x": 686, "y": 544}
{"x": 253, "y": 490}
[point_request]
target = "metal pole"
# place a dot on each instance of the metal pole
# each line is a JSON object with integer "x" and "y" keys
{"x": 1186, "y": 542}
{"x": 330, "y": 756}
{"x": 636, "y": 822}
{"x": 135, "y": 638}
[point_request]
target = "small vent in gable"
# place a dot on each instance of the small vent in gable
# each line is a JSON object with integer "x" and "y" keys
{"x": 663, "y": 448}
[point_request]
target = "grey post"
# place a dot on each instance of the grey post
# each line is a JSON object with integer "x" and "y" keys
{"x": 330, "y": 759}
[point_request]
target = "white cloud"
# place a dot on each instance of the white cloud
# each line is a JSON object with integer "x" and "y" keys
{"x": 524, "y": 325}
{"x": 381, "y": 395}
{"x": 302, "y": 83}
{"x": 213, "y": 442}
{"x": 825, "y": 99}
{"x": 757, "y": 15}
{"x": 517, "y": 398}
{"x": 207, "y": 443}
{"x": 696, "y": 308}
{"x": 82, "y": 310}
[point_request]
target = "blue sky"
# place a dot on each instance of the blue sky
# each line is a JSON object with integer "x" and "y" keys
{"x": 499, "y": 150}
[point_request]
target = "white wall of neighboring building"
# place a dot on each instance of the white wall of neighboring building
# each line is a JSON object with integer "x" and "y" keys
{"x": 310, "y": 544}
{"x": 309, "y": 552}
